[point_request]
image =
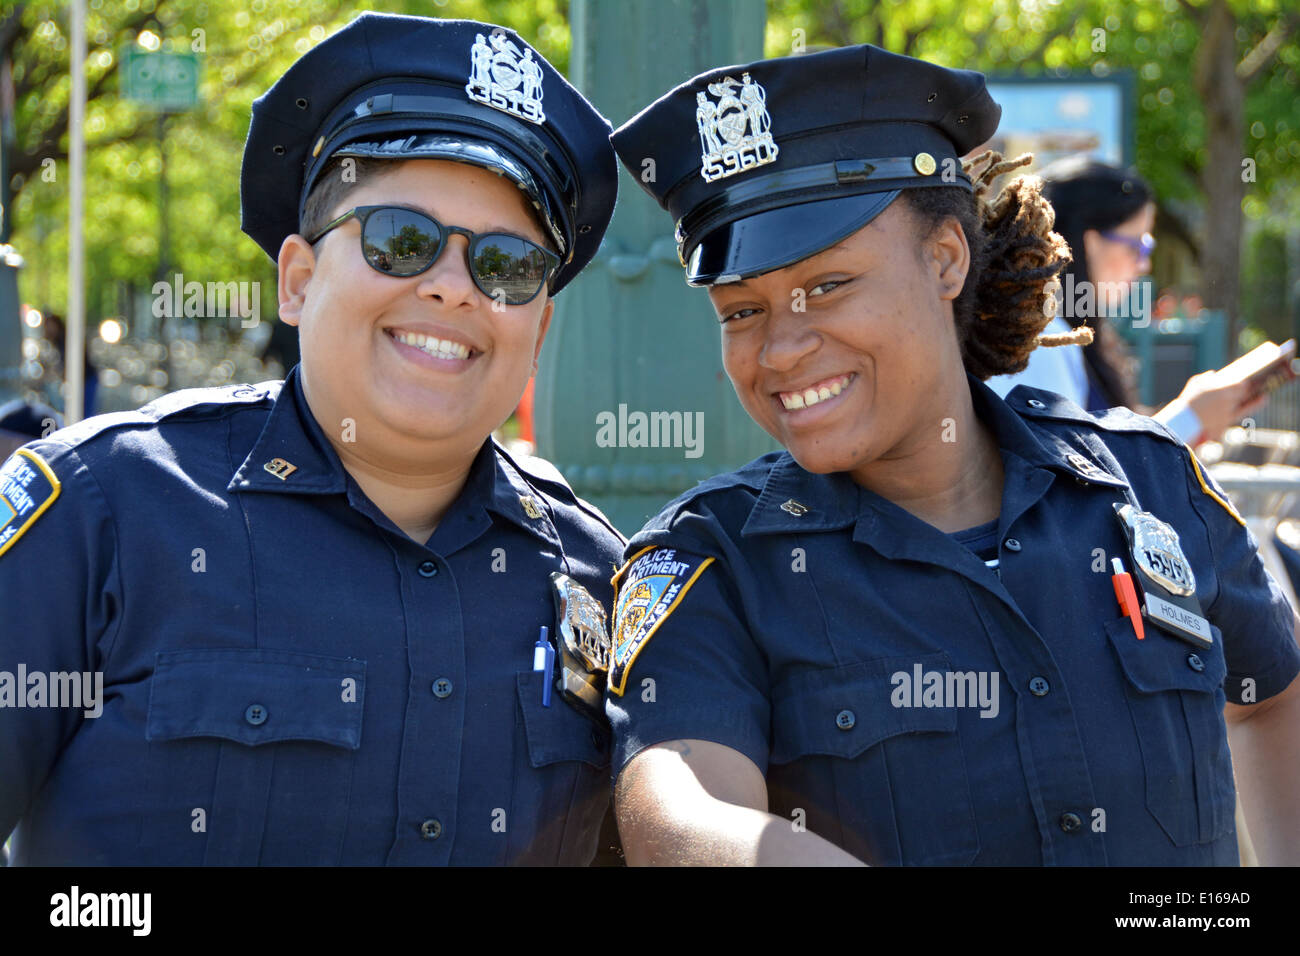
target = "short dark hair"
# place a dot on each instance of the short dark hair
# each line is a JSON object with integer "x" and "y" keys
{"x": 332, "y": 186}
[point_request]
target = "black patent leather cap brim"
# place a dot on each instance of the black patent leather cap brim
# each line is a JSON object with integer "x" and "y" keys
{"x": 781, "y": 237}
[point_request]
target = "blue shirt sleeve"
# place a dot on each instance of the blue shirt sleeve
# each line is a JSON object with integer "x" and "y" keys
{"x": 60, "y": 590}
{"x": 699, "y": 674}
{"x": 1248, "y": 608}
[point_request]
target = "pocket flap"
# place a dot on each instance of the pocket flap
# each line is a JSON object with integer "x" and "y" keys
{"x": 558, "y": 732}
{"x": 1161, "y": 662}
{"x": 255, "y": 696}
{"x": 842, "y": 711}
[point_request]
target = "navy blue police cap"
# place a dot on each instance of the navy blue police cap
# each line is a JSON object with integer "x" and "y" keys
{"x": 399, "y": 87}
{"x": 765, "y": 164}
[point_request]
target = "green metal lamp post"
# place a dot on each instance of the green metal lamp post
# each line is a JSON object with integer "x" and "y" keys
{"x": 632, "y": 403}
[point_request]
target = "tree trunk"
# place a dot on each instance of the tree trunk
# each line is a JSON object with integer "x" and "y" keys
{"x": 1224, "y": 95}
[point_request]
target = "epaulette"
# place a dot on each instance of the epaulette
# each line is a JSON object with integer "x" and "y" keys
{"x": 167, "y": 406}
{"x": 750, "y": 476}
{"x": 1037, "y": 403}
{"x": 548, "y": 480}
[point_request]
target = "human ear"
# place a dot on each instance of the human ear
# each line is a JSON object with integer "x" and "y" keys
{"x": 294, "y": 268}
{"x": 950, "y": 257}
{"x": 542, "y": 329}
{"x": 1093, "y": 245}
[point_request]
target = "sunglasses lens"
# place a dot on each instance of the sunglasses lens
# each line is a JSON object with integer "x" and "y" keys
{"x": 508, "y": 268}
{"x": 400, "y": 242}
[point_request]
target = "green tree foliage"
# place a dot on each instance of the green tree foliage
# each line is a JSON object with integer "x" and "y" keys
{"x": 1164, "y": 43}
{"x": 243, "y": 48}
{"x": 247, "y": 45}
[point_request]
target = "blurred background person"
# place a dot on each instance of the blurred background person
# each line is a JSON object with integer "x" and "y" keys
{"x": 1105, "y": 214}
{"x": 56, "y": 333}
{"x": 21, "y": 421}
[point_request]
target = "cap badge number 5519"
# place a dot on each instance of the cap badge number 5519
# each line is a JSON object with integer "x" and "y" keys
{"x": 505, "y": 79}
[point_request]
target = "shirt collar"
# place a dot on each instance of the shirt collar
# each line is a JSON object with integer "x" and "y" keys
{"x": 1019, "y": 422}
{"x": 292, "y": 455}
{"x": 793, "y": 499}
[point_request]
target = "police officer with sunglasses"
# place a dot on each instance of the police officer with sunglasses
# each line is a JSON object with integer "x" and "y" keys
{"x": 302, "y": 618}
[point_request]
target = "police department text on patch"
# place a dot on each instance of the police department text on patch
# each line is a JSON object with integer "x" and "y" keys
{"x": 653, "y": 583}
{"x": 27, "y": 488}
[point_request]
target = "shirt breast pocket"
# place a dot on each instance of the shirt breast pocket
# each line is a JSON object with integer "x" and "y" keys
{"x": 562, "y": 786}
{"x": 888, "y": 784}
{"x": 1175, "y": 696}
{"x": 251, "y": 756}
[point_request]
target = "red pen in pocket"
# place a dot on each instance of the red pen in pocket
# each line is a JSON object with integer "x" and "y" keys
{"x": 1126, "y": 594}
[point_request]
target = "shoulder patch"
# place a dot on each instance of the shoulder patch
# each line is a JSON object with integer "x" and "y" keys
{"x": 654, "y": 582}
{"x": 28, "y": 487}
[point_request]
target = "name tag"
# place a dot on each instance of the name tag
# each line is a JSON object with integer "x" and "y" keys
{"x": 1179, "y": 622}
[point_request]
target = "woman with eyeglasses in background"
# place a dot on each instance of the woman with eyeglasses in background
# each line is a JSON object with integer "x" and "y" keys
{"x": 1106, "y": 215}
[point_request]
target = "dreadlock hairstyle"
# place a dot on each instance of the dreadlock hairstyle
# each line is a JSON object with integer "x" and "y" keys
{"x": 1011, "y": 289}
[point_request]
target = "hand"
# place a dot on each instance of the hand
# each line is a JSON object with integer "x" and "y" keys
{"x": 1219, "y": 405}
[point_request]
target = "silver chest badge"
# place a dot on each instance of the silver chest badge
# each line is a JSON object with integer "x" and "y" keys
{"x": 505, "y": 79}
{"x": 1156, "y": 551}
{"x": 735, "y": 131}
{"x": 583, "y": 645}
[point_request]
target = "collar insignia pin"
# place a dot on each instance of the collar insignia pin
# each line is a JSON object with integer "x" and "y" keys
{"x": 280, "y": 468}
{"x": 795, "y": 508}
{"x": 1088, "y": 468}
{"x": 530, "y": 506}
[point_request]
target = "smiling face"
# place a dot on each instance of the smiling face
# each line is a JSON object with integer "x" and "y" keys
{"x": 870, "y": 366}
{"x": 425, "y": 358}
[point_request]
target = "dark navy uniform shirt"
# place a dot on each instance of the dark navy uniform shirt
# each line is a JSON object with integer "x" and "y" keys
{"x": 789, "y": 616}
{"x": 287, "y": 677}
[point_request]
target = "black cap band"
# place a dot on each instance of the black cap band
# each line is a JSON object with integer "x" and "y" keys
{"x": 838, "y": 179}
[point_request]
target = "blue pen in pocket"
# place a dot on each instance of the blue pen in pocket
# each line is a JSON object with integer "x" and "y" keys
{"x": 544, "y": 661}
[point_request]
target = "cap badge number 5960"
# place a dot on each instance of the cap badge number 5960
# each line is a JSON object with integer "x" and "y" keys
{"x": 735, "y": 132}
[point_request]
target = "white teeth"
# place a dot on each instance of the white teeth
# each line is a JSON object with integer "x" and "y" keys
{"x": 811, "y": 396}
{"x": 438, "y": 348}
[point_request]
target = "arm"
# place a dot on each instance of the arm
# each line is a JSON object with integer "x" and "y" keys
{"x": 696, "y": 802}
{"x": 1265, "y": 742}
{"x": 55, "y": 569}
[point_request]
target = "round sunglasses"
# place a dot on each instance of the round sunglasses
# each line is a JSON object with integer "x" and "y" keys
{"x": 405, "y": 242}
